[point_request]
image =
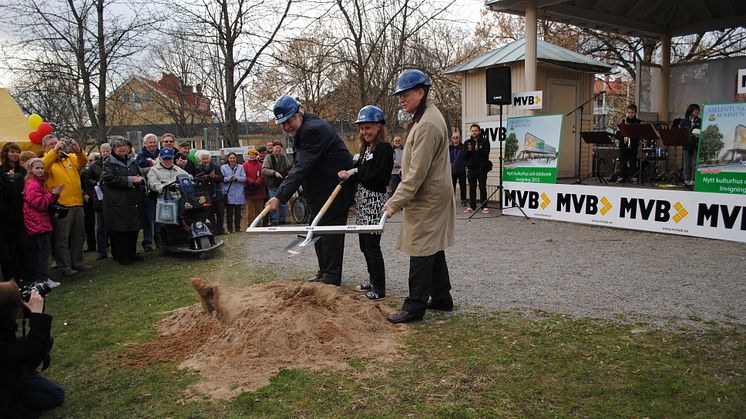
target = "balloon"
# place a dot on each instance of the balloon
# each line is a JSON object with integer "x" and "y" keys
{"x": 44, "y": 129}
{"x": 193, "y": 157}
{"x": 34, "y": 121}
{"x": 35, "y": 137}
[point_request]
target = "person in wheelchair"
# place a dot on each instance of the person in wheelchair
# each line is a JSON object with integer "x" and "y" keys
{"x": 161, "y": 175}
{"x": 164, "y": 172}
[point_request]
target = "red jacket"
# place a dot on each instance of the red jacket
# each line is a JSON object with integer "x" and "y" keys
{"x": 254, "y": 176}
{"x": 36, "y": 200}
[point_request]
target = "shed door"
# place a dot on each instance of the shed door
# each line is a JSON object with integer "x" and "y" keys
{"x": 563, "y": 99}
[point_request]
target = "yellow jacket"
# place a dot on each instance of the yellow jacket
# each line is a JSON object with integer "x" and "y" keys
{"x": 65, "y": 172}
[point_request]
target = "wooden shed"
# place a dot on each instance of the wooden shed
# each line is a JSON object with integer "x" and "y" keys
{"x": 566, "y": 80}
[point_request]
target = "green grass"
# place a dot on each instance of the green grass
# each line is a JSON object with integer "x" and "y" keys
{"x": 502, "y": 364}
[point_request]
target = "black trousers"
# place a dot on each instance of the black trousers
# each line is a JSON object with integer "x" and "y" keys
{"x": 330, "y": 249}
{"x": 370, "y": 245}
{"x": 123, "y": 245}
{"x": 233, "y": 213}
{"x": 428, "y": 277}
{"x": 217, "y": 215}
{"x": 461, "y": 180}
{"x": 477, "y": 176}
{"x": 89, "y": 221}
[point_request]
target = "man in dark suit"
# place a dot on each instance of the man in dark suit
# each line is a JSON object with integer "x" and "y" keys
{"x": 320, "y": 155}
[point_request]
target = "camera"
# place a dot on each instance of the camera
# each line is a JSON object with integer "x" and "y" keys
{"x": 42, "y": 289}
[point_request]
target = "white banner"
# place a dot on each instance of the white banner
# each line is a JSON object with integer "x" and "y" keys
{"x": 528, "y": 100}
{"x": 700, "y": 214}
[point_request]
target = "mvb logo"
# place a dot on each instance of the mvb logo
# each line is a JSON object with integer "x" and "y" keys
{"x": 526, "y": 199}
{"x": 582, "y": 203}
{"x": 656, "y": 209}
{"x": 722, "y": 215}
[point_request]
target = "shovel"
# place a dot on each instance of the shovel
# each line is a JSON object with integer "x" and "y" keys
{"x": 312, "y": 231}
{"x": 300, "y": 242}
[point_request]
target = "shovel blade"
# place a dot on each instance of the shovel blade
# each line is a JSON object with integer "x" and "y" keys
{"x": 299, "y": 243}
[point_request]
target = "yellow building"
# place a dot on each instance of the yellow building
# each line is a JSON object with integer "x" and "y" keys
{"x": 141, "y": 102}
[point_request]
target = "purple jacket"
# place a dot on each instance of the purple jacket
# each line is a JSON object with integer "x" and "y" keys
{"x": 36, "y": 201}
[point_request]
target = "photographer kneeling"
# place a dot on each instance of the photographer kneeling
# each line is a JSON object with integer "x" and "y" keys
{"x": 23, "y": 392}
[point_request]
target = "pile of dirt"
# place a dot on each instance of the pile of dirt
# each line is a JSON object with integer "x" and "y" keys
{"x": 239, "y": 338}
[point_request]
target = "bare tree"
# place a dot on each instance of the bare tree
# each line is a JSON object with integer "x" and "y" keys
{"x": 238, "y": 33}
{"x": 81, "y": 41}
{"x": 378, "y": 38}
{"x": 57, "y": 98}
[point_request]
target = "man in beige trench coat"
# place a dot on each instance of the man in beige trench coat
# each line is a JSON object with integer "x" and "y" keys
{"x": 426, "y": 198}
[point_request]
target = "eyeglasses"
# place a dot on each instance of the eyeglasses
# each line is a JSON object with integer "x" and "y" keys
{"x": 168, "y": 141}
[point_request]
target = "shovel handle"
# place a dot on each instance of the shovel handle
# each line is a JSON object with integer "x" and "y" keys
{"x": 329, "y": 201}
{"x": 321, "y": 213}
{"x": 259, "y": 217}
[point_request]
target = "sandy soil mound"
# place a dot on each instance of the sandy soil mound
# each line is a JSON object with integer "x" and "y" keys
{"x": 238, "y": 338}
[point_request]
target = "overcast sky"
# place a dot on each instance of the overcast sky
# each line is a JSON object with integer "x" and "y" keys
{"x": 466, "y": 12}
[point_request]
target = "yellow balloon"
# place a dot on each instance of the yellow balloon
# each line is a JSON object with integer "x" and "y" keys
{"x": 34, "y": 121}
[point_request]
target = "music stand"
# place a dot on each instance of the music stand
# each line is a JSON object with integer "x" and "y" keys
{"x": 676, "y": 137}
{"x": 596, "y": 138}
{"x": 637, "y": 132}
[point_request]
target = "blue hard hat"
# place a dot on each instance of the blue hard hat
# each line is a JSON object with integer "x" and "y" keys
{"x": 410, "y": 79}
{"x": 284, "y": 108}
{"x": 370, "y": 113}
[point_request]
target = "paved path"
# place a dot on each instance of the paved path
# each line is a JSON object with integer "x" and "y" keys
{"x": 502, "y": 263}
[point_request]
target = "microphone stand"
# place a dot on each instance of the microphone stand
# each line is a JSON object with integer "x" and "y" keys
{"x": 579, "y": 181}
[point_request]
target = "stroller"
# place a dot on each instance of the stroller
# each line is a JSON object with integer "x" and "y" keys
{"x": 192, "y": 234}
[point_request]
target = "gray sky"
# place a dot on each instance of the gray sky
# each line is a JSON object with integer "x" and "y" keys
{"x": 465, "y": 12}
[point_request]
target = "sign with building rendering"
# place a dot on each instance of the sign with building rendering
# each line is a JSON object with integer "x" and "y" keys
{"x": 532, "y": 149}
{"x": 721, "y": 155}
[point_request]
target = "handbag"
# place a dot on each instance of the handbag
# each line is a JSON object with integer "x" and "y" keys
{"x": 58, "y": 211}
{"x": 488, "y": 167}
{"x": 167, "y": 209}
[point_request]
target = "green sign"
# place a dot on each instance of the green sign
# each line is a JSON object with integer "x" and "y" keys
{"x": 532, "y": 149}
{"x": 721, "y": 155}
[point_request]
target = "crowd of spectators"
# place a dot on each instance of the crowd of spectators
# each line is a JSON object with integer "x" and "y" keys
{"x": 57, "y": 206}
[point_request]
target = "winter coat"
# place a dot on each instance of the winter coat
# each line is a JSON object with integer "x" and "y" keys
{"x": 214, "y": 176}
{"x": 123, "y": 201}
{"x": 11, "y": 209}
{"x": 233, "y": 189}
{"x": 425, "y": 193}
{"x": 273, "y": 164}
{"x": 92, "y": 176}
{"x": 398, "y": 153}
{"x": 458, "y": 162}
{"x": 159, "y": 176}
{"x": 145, "y": 159}
{"x": 477, "y": 153}
{"x": 36, "y": 201}
{"x": 190, "y": 167}
{"x": 254, "y": 176}
{"x": 15, "y": 354}
{"x": 320, "y": 155}
{"x": 375, "y": 174}
{"x": 66, "y": 172}
{"x": 691, "y": 124}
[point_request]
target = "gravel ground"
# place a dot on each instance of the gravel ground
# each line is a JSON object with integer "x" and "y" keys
{"x": 502, "y": 263}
